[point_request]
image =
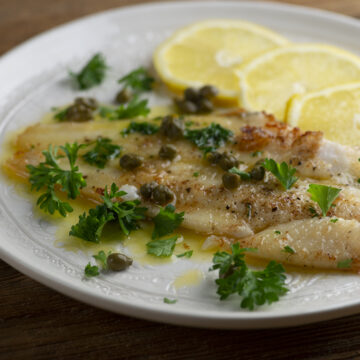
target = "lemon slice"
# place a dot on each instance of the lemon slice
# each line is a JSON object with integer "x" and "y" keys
{"x": 269, "y": 81}
{"x": 207, "y": 52}
{"x": 335, "y": 111}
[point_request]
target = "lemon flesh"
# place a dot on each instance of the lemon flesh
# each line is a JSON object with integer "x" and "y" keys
{"x": 269, "y": 81}
{"x": 335, "y": 111}
{"x": 208, "y": 51}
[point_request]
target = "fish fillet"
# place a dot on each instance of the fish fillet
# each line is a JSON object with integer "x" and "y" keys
{"x": 252, "y": 213}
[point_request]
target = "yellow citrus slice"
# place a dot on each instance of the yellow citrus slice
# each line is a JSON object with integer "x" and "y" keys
{"x": 270, "y": 80}
{"x": 335, "y": 111}
{"x": 207, "y": 52}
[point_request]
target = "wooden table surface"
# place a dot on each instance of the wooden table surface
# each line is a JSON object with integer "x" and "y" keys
{"x": 39, "y": 323}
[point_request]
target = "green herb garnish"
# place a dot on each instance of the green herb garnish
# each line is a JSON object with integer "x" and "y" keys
{"x": 187, "y": 254}
{"x": 168, "y": 301}
{"x": 334, "y": 220}
{"x": 102, "y": 152}
{"x": 61, "y": 115}
{"x": 145, "y": 128}
{"x": 101, "y": 257}
{"x": 92, "y": 74}
{"x": 196, "y": 174}
{"x": 126, "y": 213}
{"x": 255, "y": 287}
{"x": 48, "y": 175}
{"x": 283, "y": 172}
{"x": 244, "y": 175}
{"x": 277, "y": 232}
{"x": 323, "y": 195}
{"x": 133, "y": 109}
{"x": 162, "y": 248}
{"x": 91, "y": 270}
{"x": 166, "y": 221}
{"x": 344, "y": 264}
{"x": 209, "y": 138}
{"x": 138, "y": 80}
{"x": 289, "y": 250}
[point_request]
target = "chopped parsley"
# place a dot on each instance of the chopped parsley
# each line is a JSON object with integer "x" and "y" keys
{"x": 209, "y": 138}
{"x": 283, "y": 172}
{"x": 289, "y": 250}
{"x": 61, "y": 115}
{"x": 138, "y": 80}
{"x": 102, "y": 152}
{"x": 162, "y": 248}
{"x": 168, "y": 301}
{"x": 196, "y": 174}
{"x": 277, "y": 232}
{"x": 126, "y": 213}
{"x": 254, "y": 287}
{"x": 344, "y": 264}
{"x": 323, "y": 195}
{"x": 334, "y": 220}
{"x": 92, "y": 74}
{"x": 166, "y": 221}
{"x": 145, "y": 128}
{"x": 187, "y": 254}
{"x": 133, "y": 109}
{"x": 101, "y": 258}
{"x": 313, "y": 212}
{"x": 91, "y": 270}
{"x": 48, "y": 175}
{"x": 244, "y": 175}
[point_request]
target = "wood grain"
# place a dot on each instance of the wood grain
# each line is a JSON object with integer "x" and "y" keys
{"x": 38, "y": 323}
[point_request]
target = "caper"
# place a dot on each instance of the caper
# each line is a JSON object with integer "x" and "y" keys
{"x": 118, "y": 262}
{"x": 162, "y": 195}
{"x": 78, "y": 113}
{"x": 191, "y": 94}
{"x": 227, "y": 161}
{"x": 187, "y": 106}
{"x": 123, "y": 96}
{"x": 172, "y": 127}
{"x": 231, "y": 181}
{"x": 90, "y": 103}
{"x": 146, "y": 190}
{"x": 130, "y": 161}
{"x": 257, "y": 172}
{"x": 208, "y": 91}
{"x": 213, "y": 157}
{"x": 167, "y": 152}
{"x": 204, "y": 106}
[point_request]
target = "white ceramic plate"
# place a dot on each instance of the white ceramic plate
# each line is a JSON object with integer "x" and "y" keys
{"x": 34, "y": 78}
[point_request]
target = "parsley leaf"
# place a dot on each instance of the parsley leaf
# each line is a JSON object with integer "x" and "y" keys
{"x": 145, "y": 128}
{"x": 127, "y": 213}
{"x": 345, "y": 264}
{"x": 334, "y": 220}
{"x": 288, "y": 249}
{"x": 323, "y": 195}
{"x": 187, "y": 254}
{"x": 138, "y": 80}
{"x": 91, "y": 270}
{"x": 134, "y": 108}
{"x": 283, "y": 172}
{"x": 244, "y": 175}
{"x": 61, "y": 115}
{"x": 255, "y": 287}
{"x": 162, "y": 248}
{"x": 103, "y": 151}
{"x": 166, "y": 221}
{"x": 92, "y": 74}
{"x": 48, "y": 175}
{"x": 196, "y": 174}
{"x": 209, "y": 138}
{"x": 168, "y": 301}
{"x": 101, "y": 257}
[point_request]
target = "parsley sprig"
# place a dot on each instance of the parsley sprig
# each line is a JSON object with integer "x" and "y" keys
{"x": 93, "y": 270}
{"x": 126, "y": 213}
{"x": 283, "y": 172}
{"x": 48, "y": 175}
{"x": 166, "y": 221}
{"x": 92, "y": 74}
{"x": 323, "y": 195}
{"x": 144, "y": 128}
{"x": 163, "y": 247}
{"x": 209, "y": 138}
{"x": 133, "y": 109}
{"x": 138, "y": 80}
{"x": 102, "y": 152}
{"x": 255, "y": 287}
